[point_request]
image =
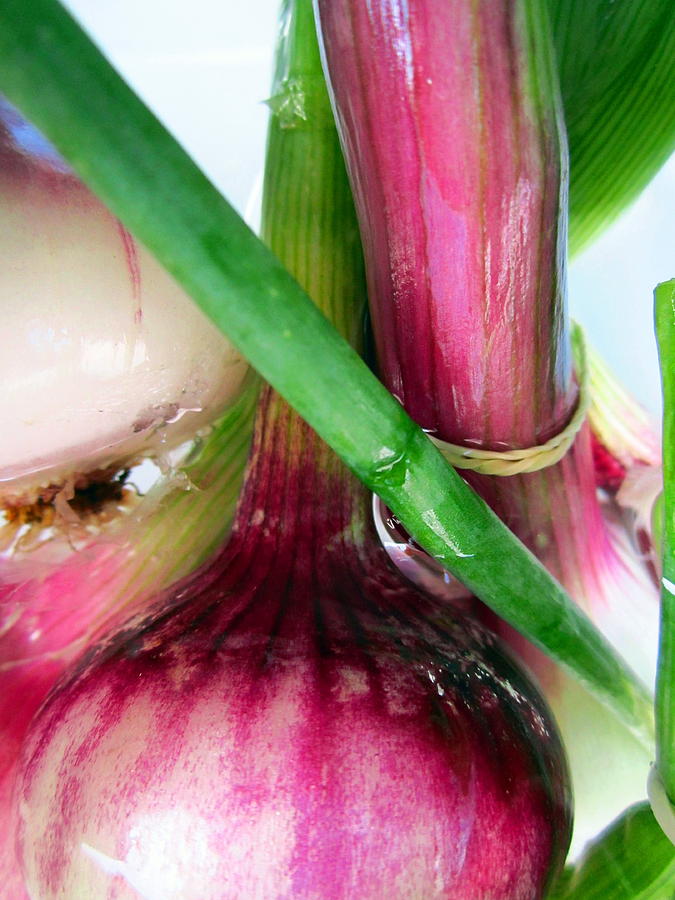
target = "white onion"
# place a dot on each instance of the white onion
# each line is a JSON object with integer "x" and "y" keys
{"x": 105, "y": 358}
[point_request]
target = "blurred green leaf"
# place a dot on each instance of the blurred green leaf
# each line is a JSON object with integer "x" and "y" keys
{"x": 617, "y": 75}
{"x": 631, "y": 859}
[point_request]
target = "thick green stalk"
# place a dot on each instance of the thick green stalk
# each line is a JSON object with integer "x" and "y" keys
{"x": 308, "y": 217}
{"x": 664, "y": 297}
{"x": 146, "y": 179}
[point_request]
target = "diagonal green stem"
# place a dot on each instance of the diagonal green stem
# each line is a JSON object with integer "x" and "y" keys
{"x": 54, "y": 73}
{"x": 664, "y": 300}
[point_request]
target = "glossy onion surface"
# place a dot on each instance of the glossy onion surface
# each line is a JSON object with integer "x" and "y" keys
{"x": 104, "y": 356}
{"x": 296, "y": 721}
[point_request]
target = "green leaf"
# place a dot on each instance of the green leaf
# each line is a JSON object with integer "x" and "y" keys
{"x": 50, "y": 69}
{"x": 631, "y": 859}
{"x": 617, "y": 76}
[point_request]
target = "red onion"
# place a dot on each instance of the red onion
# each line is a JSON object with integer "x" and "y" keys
{"x": 105, "y": 360}
{"x": 295, "y": 720}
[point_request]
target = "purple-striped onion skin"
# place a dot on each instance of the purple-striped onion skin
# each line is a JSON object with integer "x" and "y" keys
{"x": 296, "y": 721}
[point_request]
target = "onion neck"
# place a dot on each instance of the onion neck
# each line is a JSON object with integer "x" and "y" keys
{"x": 298, "y": 497}
{"x": 297, "y": 492}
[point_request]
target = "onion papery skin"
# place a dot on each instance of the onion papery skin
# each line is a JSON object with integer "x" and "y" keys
{"x": 297, "y": 721}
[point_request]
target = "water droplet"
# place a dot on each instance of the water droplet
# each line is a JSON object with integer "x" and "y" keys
{"x": 180, "y": 412}
{"x": 390, "y": 469}
{"x": 430, "y": 518}
{"x": 290, "y": 103}
{"x": 412, "y": 561}
{"x": 541, "y": 541}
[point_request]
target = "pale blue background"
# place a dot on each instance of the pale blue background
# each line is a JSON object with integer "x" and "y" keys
{"x": 204, "y": 66}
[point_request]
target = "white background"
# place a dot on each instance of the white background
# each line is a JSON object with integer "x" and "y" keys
{"x": 204, "y": 67}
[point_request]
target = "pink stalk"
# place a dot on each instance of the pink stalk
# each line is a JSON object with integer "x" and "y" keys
{"x": 450, "y": 121}
{"x": 458, "y": 167}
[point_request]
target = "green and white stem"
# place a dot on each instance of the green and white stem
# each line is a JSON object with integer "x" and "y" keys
{"x": 627, "y": 457}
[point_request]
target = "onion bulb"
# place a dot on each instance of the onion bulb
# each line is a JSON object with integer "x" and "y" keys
{"x": 105, "y": 358}
{"x": 294, "y": 720}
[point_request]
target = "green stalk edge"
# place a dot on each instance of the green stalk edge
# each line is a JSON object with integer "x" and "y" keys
{"x": 52, "y": 71}
{"x": 664, "y": 305}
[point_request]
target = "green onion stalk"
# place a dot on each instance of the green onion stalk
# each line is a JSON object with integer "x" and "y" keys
{"x": 452, "y": 128}
{"x": 617, "y": 65}
{"x": 665, "y": 683}
{"x": 632, "y": 859}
